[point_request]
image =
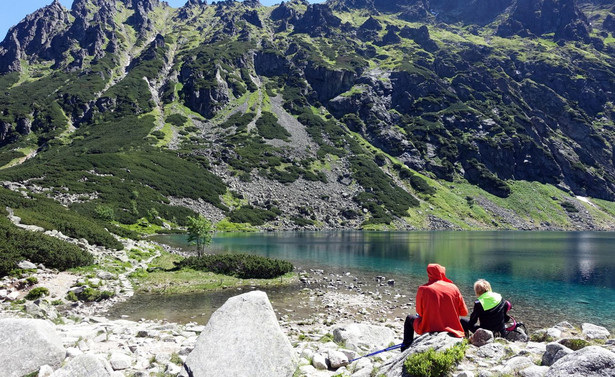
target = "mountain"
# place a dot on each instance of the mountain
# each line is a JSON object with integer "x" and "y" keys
{"x": 374, "y": 114}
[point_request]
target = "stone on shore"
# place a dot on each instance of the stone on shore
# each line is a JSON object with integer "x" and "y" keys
{"x": 28, "y": 344}
{"x": 363, "y": 338}
{"x": 481, "y": 337}
{"x": 85, "y": 365}
{"x": 592, "y": 361}
{"x": 554, "y": 352}
{"x": 242, "y": 338}
{"x": 591, "y": 331}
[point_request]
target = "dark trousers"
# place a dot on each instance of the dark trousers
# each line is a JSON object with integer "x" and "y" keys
{"x": 408, "y": 331}
{"x": 465, "y": 323}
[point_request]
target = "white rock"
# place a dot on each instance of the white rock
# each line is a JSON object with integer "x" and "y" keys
{"x": 319, "y": 362}
{"x": 73, "y": 351}
{"x": 120, "y": 361}
{"x": 595, "y": 332}
{"x": 243, "y": 338}
{"x": 554, "y": 333}
{"x": 337, "y": 359}
{"x": 534, "y": 371}
{"x": 364, "y": 338}
{"x": 26, "y": 265}
{"x": 85, "y": 366}
{"x": 45, "y": 371}
{"x": 173, "y": 369}
{"x": 35, "y": 343}
{"x": 517, "y": 364}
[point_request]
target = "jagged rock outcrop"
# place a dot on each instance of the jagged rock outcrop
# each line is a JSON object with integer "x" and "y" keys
{"x": 28, "y": 344}
{"x": 33, "y": 37}
{"x": 562, "y": 17}
{"x": 242, "y": 338}
{"x": 317, "y": 20}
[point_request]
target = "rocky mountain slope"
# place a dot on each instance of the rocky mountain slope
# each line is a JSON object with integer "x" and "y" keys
{"x": 406, "y": 114}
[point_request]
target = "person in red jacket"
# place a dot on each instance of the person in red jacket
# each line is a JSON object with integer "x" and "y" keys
{"x": 439, "y": 305}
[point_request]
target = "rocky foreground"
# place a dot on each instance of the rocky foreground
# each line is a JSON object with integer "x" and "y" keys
{"x": 247, "y": 337}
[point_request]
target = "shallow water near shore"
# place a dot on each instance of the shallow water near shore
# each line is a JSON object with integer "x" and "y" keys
{"x": 548, "y": 276}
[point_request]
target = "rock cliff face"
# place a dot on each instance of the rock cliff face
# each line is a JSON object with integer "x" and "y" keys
{"x": 561, "y": 17}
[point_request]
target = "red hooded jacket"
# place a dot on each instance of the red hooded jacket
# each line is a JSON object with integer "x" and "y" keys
{"x": 439, "y": 304}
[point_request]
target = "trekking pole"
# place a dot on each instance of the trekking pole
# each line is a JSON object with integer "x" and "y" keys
{"x": 377, "y": 352}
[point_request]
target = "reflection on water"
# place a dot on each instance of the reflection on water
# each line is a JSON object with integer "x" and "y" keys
{"x": 549, "y": 276}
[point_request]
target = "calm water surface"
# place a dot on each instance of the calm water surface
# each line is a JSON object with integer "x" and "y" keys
{"x": 549, "y": 276}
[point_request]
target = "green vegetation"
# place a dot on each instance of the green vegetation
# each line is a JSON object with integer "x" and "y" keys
{"x": 435, "y": 364}
{"x": 200, "y": 232}
{"x": 381, "y": 196}
{"x": 37, "y": 293}
{"x": 17, "y": 245}
{"x": 269, "y": 128}
{"x": 238, "y": 120}
{"x": 89, "y": 294}
{"x": 253, "y": 216}
{"x": 243, "y": 266}
{"x": 177, "y": 120}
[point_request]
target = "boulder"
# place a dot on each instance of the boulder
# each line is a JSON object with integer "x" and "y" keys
{"x": 28, "y": 344}
{"x": 516, "y": 364}
{"x": 554, "y": 352}
{"x": 120, "y": 361}
{"x": 534, "y": 371}
{"x": 319, "y": 362}
{"x": 438, "y": 341}
{"x": 26, "y": 265}
{"x": 492, "y": 351}
{"x": 85, "y": 366}
{"x": 337, "y": 359}
{"x": 364, "y": 338}
{"x": 481, "y": 337}
{"x": 242, "y": 338}
{"x": 593, "y": 361}
{"x": 595, "y": 332}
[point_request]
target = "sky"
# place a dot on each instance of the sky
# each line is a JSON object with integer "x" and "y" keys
{"x": 11, "y": 11}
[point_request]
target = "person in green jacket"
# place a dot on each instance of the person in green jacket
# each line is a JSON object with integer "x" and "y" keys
{"x": 489, "y": 311}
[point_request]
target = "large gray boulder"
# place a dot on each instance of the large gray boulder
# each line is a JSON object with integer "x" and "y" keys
{"x": 438, "y": 341}
{"x": 28, "y": 344}
{"x": 590, "y": 361}
{"x": 242, "y": 338}
{"x": 554, "y": 352}
{"x": 363, "y": 338}
{"x": 85, "y": 365}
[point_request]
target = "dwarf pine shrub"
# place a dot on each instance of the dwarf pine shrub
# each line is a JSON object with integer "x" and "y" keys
{"x": 37, "y": 293}
{"x": 243, "y": 266}
{"x": 435, "y": 364}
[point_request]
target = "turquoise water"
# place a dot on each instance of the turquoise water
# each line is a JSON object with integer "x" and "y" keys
{"x": 548, "y": 276}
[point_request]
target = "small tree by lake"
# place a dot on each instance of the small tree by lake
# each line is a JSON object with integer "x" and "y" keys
{"x": 200, "y": 232}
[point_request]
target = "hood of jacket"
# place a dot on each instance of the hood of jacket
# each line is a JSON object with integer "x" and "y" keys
{"x": 436, "y": 272}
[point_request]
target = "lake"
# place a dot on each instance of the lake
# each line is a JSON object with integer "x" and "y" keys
{"x": 548, "y": 276}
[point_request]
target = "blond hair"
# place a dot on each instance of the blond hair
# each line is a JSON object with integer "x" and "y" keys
{"x": 481, "y": 286}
